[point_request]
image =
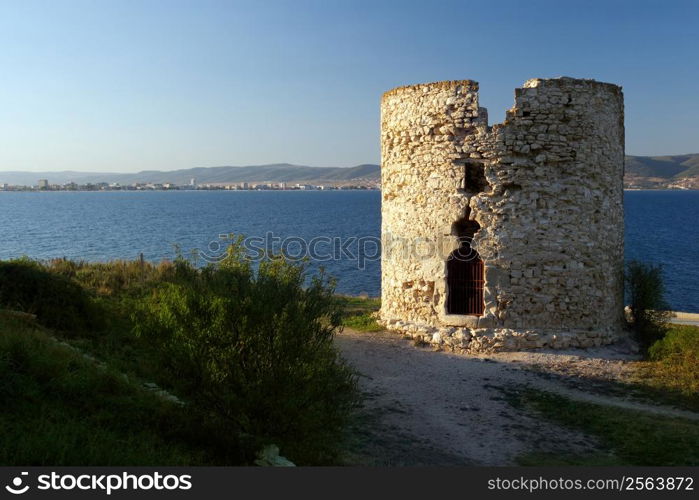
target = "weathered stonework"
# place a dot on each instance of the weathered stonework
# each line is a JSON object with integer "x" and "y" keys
{"x": 544, "y": 190}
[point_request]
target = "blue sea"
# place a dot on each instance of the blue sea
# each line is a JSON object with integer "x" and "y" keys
{"x": 338, "y": 229}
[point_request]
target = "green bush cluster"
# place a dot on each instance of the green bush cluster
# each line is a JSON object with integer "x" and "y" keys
{"x": 252, "y": 348}
{"x": 248, "y": 347}
{"x": 645, "y": 290}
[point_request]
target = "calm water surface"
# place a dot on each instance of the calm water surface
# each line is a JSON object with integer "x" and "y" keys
{"x": 661, "y": 227}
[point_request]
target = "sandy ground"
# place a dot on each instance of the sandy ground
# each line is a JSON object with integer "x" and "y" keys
{"x": 438, "y": 408}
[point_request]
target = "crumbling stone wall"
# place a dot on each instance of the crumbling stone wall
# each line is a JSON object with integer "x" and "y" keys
{"x": 545, "y": 190}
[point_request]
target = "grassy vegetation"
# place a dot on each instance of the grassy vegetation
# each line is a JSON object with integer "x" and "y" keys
{"x": 630, "y": 437}
{"x": 671, "y": 374}
{"x": 60, "y": 409}
{"x": 57, "y": 301}
{"x": 668, "y": 376}
{"x": 249, "y": 351}
{"x": 359, "y": 313}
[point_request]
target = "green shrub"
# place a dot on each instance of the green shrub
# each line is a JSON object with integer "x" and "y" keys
{"x": 676, "y": 360}
{"x": 248, "y": 348}
{"x": 252, "y": 350}
{"x": 57, "y": 301}
{"x": 649, "y": 310}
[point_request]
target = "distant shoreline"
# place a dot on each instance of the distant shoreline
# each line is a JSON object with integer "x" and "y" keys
{"x": 182, "y": 190}
{"x": 28, "y": 190}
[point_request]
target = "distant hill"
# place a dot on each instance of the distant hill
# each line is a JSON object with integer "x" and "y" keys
{"x": 677, "y": 171}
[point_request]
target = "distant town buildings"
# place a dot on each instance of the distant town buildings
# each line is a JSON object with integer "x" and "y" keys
{"x": 43, "y": 185}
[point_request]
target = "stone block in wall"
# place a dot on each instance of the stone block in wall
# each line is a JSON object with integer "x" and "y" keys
{"x": 487, "y": 321}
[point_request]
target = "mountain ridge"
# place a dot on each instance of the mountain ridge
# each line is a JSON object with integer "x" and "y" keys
{"x": 669, "y": 171}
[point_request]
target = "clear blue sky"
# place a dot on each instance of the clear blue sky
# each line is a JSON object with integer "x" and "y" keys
{"x": 133, "y": 85}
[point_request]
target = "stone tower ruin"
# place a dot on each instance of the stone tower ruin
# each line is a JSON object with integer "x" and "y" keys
{"x": 503, "y": 237}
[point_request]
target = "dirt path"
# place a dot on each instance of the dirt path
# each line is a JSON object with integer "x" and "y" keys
{"x": 437, "y": 408}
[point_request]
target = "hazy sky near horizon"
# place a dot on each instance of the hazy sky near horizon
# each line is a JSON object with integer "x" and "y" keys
{"x": 137, "y": 85}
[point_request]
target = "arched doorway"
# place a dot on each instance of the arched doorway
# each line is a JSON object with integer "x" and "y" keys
{"x": 465, "y": 281}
